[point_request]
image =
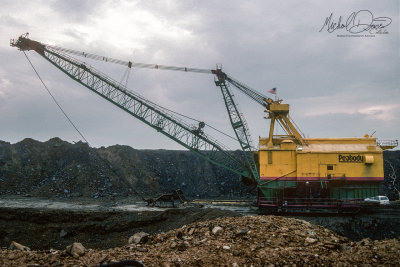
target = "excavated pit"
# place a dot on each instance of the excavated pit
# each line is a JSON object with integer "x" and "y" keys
{"x": 44, "y": 224}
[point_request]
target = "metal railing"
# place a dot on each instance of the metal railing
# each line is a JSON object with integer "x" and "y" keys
{"x": 387, "y": 143}
{"x": 309, "y": 202}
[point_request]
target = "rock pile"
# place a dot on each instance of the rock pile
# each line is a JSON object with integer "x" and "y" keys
{"x": 243, "y": 241}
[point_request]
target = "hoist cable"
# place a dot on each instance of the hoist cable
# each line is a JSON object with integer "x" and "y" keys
{"x": 54, "y": 99}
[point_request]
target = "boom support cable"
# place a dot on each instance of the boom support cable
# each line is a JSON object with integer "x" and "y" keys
{"x": 130, "y": 64}
{"x": 54, "y": 99}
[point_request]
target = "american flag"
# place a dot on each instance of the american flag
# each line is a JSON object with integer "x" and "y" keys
{"x": 272, "y": 91}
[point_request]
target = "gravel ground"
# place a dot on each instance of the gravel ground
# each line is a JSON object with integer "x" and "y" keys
{"x": 230, "y": 241}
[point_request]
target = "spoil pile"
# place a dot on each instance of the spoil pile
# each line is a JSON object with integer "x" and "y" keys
{"x": 59, "y": 169}
{"x": 243, "y": 241}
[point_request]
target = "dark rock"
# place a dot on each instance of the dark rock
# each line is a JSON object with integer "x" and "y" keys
{"x": 63, "y": 233}
{"x": 242, "y": 231}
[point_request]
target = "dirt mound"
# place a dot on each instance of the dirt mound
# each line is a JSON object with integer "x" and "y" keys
{"x": 243, "y": 241}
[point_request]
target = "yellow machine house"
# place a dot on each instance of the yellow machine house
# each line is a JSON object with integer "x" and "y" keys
{"x": 297, "y": 172}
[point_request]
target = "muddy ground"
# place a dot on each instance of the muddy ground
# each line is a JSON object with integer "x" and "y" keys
{"x": 96, "y": 225}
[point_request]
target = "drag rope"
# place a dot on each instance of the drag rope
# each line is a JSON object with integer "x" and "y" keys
{"x": 54, "y": 99}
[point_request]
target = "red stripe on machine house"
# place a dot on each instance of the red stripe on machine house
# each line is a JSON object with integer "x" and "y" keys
{"x": 321, "y": 178}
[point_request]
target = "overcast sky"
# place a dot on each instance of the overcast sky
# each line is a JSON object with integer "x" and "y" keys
{"x": 338, "y": 84}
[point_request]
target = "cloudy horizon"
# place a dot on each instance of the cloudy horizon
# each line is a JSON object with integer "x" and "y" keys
{"x": 338, "y": 84}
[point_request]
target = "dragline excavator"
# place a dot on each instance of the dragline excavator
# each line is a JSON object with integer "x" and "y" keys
{"x": 291, "y": 172}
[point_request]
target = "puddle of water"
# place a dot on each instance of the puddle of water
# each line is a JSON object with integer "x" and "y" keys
{"x": 45, "y": 204}
{"x": 246, "y": 210}
{"x": 38, "y": 203}
{"x": 35, "y": 203}
{"x": 137, "y": 207}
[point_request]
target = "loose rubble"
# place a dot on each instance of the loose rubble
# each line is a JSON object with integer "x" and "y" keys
{"x": 240, "y": 241}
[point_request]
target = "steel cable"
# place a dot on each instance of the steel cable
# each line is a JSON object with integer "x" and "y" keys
{"x": 54, "y": 99}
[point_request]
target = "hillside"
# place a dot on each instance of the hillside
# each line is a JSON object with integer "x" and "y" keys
{"x": 57, "y": 168}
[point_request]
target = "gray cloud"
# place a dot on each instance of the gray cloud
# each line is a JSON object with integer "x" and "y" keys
{"x": 76, "y": 10}
{"x": 336, "y": 86}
